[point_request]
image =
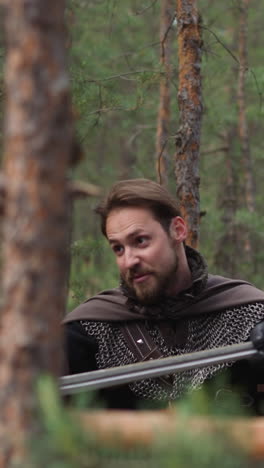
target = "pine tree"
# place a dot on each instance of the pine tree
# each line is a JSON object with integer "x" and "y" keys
{"x": 38, "y": 142}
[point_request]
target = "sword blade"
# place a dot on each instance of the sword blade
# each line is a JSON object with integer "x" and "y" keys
{"x": 111, "y": 377}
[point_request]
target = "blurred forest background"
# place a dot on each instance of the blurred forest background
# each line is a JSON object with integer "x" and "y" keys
{"x": 116, "y": 71}
{"x": 114, "y": 52}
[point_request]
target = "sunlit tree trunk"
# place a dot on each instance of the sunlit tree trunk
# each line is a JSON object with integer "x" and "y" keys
{"x": 166, "y": 24}
{"x": 38, "y": 142}
{"x": 190, "y": 106}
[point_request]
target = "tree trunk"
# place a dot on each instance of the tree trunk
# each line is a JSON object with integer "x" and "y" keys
{"x": 162, "y": 158}
{"x": 38, "y": 142}
{"x": 248, "y": 178}
{"x": 249, "y": 187}
{"x": 190, "y": 105}
{"x": 227, "y": 256}
{"x": 228, "y": 246}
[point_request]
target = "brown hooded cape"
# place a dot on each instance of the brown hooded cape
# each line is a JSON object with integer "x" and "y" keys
{"x": 219, "y": 294}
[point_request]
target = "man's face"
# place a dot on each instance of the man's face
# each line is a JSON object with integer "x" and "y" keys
{"x": 146, "y": 255}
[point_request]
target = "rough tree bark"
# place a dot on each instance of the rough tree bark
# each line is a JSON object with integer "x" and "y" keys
{"x": 190, "y": 106}
{"x": 38, "y": 142}
{"x": 249, "y": 187}
{"x": 166, "y": 19}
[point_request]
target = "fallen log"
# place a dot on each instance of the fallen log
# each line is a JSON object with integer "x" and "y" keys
{"x": 132, "y": 430}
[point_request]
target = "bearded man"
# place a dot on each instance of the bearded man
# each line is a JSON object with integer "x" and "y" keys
{"x": 166, "y": 304}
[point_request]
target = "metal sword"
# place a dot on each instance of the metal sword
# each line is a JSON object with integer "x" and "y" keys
{"x": 154, "y": 368}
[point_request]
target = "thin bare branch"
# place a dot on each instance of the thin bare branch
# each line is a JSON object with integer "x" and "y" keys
{"x": 141, "y": 12}
{"x": 222, "y": 43}
{"x": 121, "y": 75}
{"x": 79, "y": 189}
{"x": 109, "y": 109}
{"x": 215, "y": 150}
{"x": 258, "y": 89}
{"x": 166, "y": 35}
{"x": 159, "y": 160}
{"x": 139, "y": 130}
{"x": 237, "y": 61}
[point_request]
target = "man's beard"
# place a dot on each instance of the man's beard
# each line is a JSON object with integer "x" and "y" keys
{"x": 152, "y": 289}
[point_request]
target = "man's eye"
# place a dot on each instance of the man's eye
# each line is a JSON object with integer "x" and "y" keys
{"x": 142, "y": 240}
{"x": 117, "y": 249}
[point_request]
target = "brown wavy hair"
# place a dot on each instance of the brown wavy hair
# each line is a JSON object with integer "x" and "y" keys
{"x": 140, "y": 193}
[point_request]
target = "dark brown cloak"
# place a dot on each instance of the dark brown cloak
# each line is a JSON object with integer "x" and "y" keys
{"x": 219, "y": 294}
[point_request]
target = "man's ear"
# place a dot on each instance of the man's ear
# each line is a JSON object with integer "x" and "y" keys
{"x": 178, "y": 229}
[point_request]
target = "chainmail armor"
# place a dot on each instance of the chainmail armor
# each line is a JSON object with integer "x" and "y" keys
{"x": 205, "y": 332}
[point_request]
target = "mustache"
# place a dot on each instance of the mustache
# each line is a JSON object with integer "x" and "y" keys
{"x": 135, "y": 272}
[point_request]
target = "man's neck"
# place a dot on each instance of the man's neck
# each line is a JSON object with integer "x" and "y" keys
{"x": 183, "y": 279}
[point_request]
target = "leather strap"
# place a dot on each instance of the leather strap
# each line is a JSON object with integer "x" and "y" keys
{"x": 142, "y": 346}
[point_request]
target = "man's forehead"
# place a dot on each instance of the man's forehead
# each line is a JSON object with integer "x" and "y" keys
{"x": 128, "y": 221}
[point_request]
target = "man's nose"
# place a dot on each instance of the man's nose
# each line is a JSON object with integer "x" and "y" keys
{"x": 130, "y": 258}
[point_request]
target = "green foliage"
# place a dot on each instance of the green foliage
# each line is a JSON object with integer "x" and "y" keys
{"x": 88, "y": 274}
{"x": 65, "y": 444}
{"x": 115, "y": 78}
{"x": 115, "y": 74}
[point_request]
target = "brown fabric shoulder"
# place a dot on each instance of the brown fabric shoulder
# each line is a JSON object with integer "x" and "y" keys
{"x": 220, "y": 294}
{"x": 106, "y": 306}
{"x": 223, "y": 293}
